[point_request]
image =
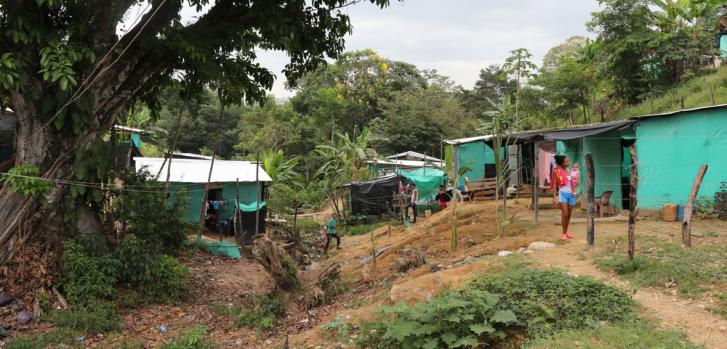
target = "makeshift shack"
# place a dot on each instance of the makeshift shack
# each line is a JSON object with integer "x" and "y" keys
{"x": 189, "y": 177}
{"x": 374, "y": 197}
{"x": 427, "y": 181}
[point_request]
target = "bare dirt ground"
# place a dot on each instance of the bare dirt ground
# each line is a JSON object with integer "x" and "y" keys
{"x": 376, "y": 282}
{"x": 479, "y": 239}
{"x": 691, "y": 316}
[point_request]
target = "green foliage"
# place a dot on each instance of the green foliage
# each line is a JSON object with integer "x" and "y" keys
{"x": 551, "y": 300}
{"x": 707, "y": 89}
{"x": 498, "y": 310}
{"x": 262, "y": 314}
{"x": 22, "y": 179}
{"x": 192, "y": 338}
{"x": 53, "y": 339}
{"x": 157, "y": 225}
{"x": 85, "y": 279}
{"x": 638, "y": 335}
{"x": 93, "y": 319}
{"x": 663, "y": 264}
{"x": 465, "y": 318}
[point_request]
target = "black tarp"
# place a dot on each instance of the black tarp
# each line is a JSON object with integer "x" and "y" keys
{"x": 375, "y": 196}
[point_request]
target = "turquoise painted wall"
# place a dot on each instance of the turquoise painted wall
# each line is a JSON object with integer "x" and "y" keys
{"x": 195, "y": 195}
{"x": 606, "y": 151}
{"x": 670, "y": 150}
{"x": 723, "y": 45}
{"x": 475, "y": 155}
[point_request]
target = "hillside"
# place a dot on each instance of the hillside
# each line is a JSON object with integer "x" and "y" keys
{"x": 700, "y": 91}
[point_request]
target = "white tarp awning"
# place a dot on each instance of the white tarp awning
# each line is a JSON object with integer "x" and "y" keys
{"x": 197, "y": 170}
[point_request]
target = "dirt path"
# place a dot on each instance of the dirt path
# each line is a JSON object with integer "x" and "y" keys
{"x": 691, "y": 316}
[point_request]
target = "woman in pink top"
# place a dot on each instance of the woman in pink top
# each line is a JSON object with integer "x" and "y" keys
{"x": 564, "y": 195}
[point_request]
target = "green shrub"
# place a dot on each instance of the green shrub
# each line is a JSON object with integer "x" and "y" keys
{"x": 263, "y": 314}
{"x": 500, "y": 310}
{"x": 98, "y": 318}
{"x": 169, "y": 281}
{"x": 158, "y": 225}
{"x": 192, "y": 338}
{"x": 156, "y": 277}
{"x": 553, "y": 300}
{"x": 85, "y": 279}
{"x": 461, "y": 318}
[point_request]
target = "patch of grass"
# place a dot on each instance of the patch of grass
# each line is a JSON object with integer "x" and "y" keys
{"x": 361, "y": 229}
{"x": 624, "y": 335}
{"x": 308, "y": 225}
{"x": 99, "y": 318}
{"x": 721, "y": 307}
{"x": 262, "y": 314}
{"x": 192, "y": 338}
{"x": 663, "y": 264}
{"x": 53, "y": 339}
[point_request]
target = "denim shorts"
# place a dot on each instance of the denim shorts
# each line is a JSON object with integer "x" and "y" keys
{"x": 569, "y": 198}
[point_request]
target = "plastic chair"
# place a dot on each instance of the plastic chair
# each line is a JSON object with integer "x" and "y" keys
{"x": 604, "y": 202}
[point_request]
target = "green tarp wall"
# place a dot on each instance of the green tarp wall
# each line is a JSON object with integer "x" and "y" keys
{"x": 195, "y": 195}
{"x": 723, "y": 45}
{"x": 427, "y": 181}
{"x": 670, "y": 150}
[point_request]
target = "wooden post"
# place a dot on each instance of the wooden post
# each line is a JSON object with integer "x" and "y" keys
{"x": 236, "y": 221}
{"x": 212, "y": 164}
{"x": 257, "y": 194}
{"x": 519, "y": 180}
{"x": 632, "y": 202}
{"x": 687, "y": 223}
{"x": 536, "y": 185}
{"x": 590, "y": 190}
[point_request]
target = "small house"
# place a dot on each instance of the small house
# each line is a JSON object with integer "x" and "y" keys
{"x": 228, "y": 181}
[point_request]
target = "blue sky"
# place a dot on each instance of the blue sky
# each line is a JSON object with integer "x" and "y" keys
{"x": 456, "y": 37}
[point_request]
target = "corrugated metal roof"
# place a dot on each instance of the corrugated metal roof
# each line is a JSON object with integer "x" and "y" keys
{"x": 413, "y": 154}
{"x": 197, "y": 170}
{"x": 407, "y": 163}
{"x": 468, "y": 139}
{"x": 648, "y": 116}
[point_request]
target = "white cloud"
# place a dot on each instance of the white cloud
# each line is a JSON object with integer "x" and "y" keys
{"x": 456, "y": 37}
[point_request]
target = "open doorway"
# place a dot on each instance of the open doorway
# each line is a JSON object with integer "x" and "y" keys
{"x": 626, "y": 162}
{"x": 215, "y": 208}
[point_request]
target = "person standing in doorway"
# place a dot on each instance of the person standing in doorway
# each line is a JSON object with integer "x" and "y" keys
{"x": 331, "y": 234}
{"x": 413, "y": 204}
{"x": 563, "y": 192}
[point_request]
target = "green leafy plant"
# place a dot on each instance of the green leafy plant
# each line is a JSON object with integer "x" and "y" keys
{"x": 192, "y": 338}
{"x": 500, "y": 310}
{"x": 262, "y": 314}
{"x": 23, "y": 179}
{"x": 551, "y": 300}
{"x": 97, "y": 318}
{"x": 85, "y": 279}
{"x": 465, "y": 318}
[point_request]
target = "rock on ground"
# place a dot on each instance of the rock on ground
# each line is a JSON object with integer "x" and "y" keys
{"x": 540, "y": 246}
{"x": 503, "y": 253}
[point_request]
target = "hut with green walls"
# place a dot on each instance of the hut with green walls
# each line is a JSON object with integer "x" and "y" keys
{"x": 473, "y": 153}
{"x": 670, "y": 148}
{"x": 189, "y": 177}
